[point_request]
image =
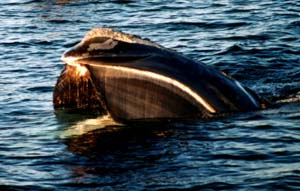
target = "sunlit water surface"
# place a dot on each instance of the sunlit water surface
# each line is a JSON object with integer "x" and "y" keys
{"x": 257, "y": 42}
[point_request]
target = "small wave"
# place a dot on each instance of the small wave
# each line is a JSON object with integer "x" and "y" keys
{"x": 122, "y": 1}
{"x": 292, "y": 51}
{"x": 40, "y": 42}
{"x": 20, "y": 3}
{"x": 41, "y": 89}
{"x": 208, "y": 186}
{"x": 289, "y": 93}
{"x": 283, "y": 181}
{"x": 289, "y": 100}
{"x": 232, "y": 49}
{"x": 240, "y": 10}
{"x": 245, "y": 156}
{"x": 65, "y": 1}
{"x": 14, "y": 187}
{"x": 294, "y": 117}
{"x": 16, "y": 43}
{"x": 287, "y": 15}
{"x": 218, "y": 4}
{"x": 70, "y": 44}
{"x": 267, "y": 52}
{"x": 259, "y": 37}
{"x": 27, "y": 44}
{"x": 64, "y": 21}
{"x": 208, "y": 25}
{"x": 294, "y": 24}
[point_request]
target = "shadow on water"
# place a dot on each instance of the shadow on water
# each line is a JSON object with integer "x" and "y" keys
{"x": 117, "y": 139}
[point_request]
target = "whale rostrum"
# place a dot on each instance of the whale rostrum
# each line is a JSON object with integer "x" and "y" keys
{"x": 130, "y": 78}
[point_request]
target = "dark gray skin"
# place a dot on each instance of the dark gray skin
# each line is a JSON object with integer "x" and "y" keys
{"x": 130, "y": 78}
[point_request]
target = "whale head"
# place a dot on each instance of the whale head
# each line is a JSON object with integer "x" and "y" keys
{"x": 133, "y": 78}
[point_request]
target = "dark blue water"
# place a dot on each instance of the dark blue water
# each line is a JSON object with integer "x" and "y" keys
{"x": 257, "y": 42}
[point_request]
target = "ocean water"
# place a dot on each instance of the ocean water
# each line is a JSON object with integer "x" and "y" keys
{"x": 257, "y": 42}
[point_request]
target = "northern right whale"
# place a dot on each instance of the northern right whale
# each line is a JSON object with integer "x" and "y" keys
{"x": 131, "y": 78}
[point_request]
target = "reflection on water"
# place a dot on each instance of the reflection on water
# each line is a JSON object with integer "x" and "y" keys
{"x": 88, "y": 125}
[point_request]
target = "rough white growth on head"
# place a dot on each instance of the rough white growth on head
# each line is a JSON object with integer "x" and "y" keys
{"x": 107, "y": 45}
{"x": 117, "y": 35}
{"x": 112, "y": 35}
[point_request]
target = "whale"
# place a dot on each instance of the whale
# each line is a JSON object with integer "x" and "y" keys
{"x": 110, "y": 72}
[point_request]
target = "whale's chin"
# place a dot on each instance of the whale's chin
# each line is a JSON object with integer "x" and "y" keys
{"x": 130, "y": 78}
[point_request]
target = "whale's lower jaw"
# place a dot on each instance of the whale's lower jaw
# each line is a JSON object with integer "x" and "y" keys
{"x": 75, "y": 91}
{"x": 126, "y": 94}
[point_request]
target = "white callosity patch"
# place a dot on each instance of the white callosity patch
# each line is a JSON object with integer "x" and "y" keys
{"x": 117, "y": 35}
{"x": 107, "y": 45}
{"x": 114, "y": 37}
